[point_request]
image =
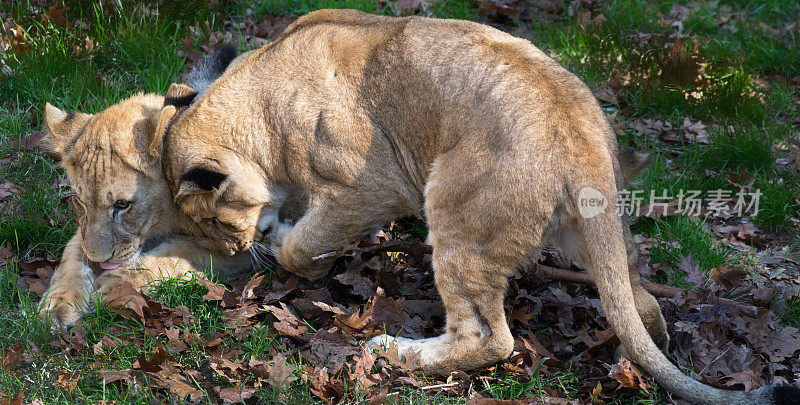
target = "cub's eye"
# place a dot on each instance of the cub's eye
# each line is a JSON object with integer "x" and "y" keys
{"x": 213, "y": 220}
{"x": 122, "y": 204}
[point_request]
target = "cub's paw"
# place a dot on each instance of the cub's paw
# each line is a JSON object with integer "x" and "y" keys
{"x": 64, "y": 308}
{"x": 280, "y": 232}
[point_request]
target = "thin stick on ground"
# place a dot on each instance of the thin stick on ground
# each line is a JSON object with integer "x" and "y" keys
{"x": 416, "y": 248}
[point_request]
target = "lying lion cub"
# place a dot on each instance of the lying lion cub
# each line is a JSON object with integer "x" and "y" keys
{"x": 379, "y": 117}
{"x": 130, "y": 230}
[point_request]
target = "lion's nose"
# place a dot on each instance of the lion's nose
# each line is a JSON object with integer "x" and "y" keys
{"x": 96, "y": 256}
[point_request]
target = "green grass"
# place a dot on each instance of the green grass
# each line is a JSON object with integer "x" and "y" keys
{"x": 744, "y": 148}
{"x": 679, "y": 237}
{"x": 779, "y": 201}
{"x": 133, "y": 55}
{"x": 791, "y": 316}
{"x": 458, "y": 9}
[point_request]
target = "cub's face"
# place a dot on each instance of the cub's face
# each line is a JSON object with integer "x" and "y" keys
{"x": 225, "y": 194}
{"x": 121, "y": 193}
{"x": 235, "y": 217}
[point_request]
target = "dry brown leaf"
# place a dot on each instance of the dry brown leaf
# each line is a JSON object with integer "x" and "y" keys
{"x": 66, "y": 381}
{"x": 694, "y": 132}
{"x": 493, "y": 401}
{"x": 11, "y": 356}
{"x": 288, "y": 323}
{"x": 280, "y": 372}
{"x": 218, "y": 292}
{"x": 235, "y": 395}
{"x": 500, "y": 8}
{"x": 153, "y": 365}
{"x": 125, "y": 300}
{"x": 17, "y": 399}
{"x": 408, "y": 7}
{"x": 362, "y": 371}
{"x": 628, "y": 375}
{"x": 362, "y": 286}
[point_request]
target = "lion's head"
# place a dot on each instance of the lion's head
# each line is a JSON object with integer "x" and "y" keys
{"x": 229, "y": 196}
{"x": 225, "y": 194}
{"x": 112, "y": 160}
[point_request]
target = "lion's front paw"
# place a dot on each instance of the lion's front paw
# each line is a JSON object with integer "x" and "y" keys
{"x": 64, "y": 308}
{"x": 279, "y": 234}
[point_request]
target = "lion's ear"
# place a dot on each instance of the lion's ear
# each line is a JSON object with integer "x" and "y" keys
{"x": 179, "y": 95}
{"x": 201, "y": 180}
{"x": 62, "y": 127}
{"x": 158, "y": 122}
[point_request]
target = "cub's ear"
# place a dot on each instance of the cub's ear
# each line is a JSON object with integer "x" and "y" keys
{"x": 157, "y": 123}
{"x": 201, "y": 180}
{"x": 62, "y": 127}
{"x": 179, "y": 95}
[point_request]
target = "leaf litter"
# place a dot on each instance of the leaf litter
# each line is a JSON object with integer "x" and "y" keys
{"x": 320, "y": 329}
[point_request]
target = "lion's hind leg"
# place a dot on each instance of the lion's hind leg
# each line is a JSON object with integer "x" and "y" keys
{"x": 566, "y": 238}
{"x": 477, "y": 334}
{"x": 480, "y": 232}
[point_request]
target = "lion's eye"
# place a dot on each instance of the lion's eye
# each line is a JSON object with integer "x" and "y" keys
{"x": 122, "y": 204}
{"x": 213, "y": 220}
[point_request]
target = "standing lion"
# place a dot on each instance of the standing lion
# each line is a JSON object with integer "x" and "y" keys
{"x": 379, "y": 117}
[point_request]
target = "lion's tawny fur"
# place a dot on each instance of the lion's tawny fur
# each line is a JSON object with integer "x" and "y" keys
{"x": 379, "y": 117}
{"x": 111, "y": 156}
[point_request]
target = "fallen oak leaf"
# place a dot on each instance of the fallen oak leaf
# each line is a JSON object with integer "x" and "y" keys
{"x": 362, "y": 369}
{"x": 235, "y": 395}
{"x": 747, "y": 378}
{"x": 499, "y": 8}
{"x": 66, "y": 381}
{"x": 16, "y": 400}
{"x": 253, "y": 287}
{"x": 495, "y": 401}
{"x": 410, "y": 363}
{"x": 171, "y": 380}
{"x": 218, "y": 292}
{"x": 125, "y": 300}
{"x": 408, "y": 7}
{"x": 229, "y": 368}
{"x": 330, "y": 349}
{"x": 154, "y": 364}
{"x": 322, "y": 386}
{"x": 29, "y": 142}
{"x": 695, "y": 132}
{"x": 278, "y": 290}
{"x": 11, "y": 356}
{"x": 727, "y": 277}
{"x": 605, "y": 338}
{"x": 694, "y": 274}
{"x": 362, "y": 286}
{"x": 280, "y": 372}
{"x": 7, "y": 189}
{"x": 288, "y": 323}
{"x": 628, "y": 375}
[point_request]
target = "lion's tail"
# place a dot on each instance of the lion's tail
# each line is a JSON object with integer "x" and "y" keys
{"x": 607, "y": 253}
{"x": 210, "y": 68}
